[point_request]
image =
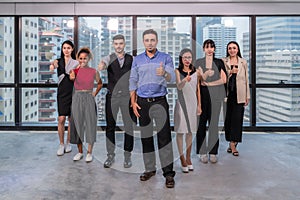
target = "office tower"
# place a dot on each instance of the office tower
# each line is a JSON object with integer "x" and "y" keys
{"x": 221, "y": 35}
{"x": 7, "y": 59}
{"x": 277, "y": 62}
{"x": 202, "y": 22}
{"x": 52, "y": 32}
{"x": 169, "y": 41}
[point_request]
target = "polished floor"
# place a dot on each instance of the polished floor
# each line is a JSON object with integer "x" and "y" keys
{"x": 267, "y": 169}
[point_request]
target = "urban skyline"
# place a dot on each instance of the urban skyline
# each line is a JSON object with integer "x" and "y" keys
{"x": 42, "y": 37}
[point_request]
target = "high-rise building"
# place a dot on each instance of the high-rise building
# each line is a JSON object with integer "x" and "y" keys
{"x": 30, "y": 68}
{"x": 53, "y": 31}
{"x": 169, "y": 41}
{"x": 7, "y": 68}
{"x": 200, "y": 24}
{"x": 277, "y": 61}
{"x": 221, "y": 35}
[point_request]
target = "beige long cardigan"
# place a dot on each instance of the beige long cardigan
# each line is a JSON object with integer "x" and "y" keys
{"x": 242, "y": 80}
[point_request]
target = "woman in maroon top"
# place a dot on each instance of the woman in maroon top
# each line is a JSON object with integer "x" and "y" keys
{"x": 84, "y": 109}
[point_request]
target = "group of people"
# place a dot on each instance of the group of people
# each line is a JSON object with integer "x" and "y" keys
{"x": 75, "y": 95}
{"x": 137, "y": 86}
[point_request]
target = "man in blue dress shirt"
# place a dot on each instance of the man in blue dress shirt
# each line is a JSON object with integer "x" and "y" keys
{"x": 150, "y": 72}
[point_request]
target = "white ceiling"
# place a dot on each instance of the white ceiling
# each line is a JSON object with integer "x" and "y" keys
{"x": 149, "y": 7}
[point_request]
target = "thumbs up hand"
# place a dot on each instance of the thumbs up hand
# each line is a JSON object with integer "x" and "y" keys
{"x": 53, "y": 65}
{"x": 101, "y": 65}
{"x": 160, "y": 71}
{"x": 188, "y": 77}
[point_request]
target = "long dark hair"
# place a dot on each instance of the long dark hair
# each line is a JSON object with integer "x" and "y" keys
{"x": 209, "y": 42}
{"x": 183, "y": 51}
{"x": 239, "y": 51}
{"x": 73, "y": 54}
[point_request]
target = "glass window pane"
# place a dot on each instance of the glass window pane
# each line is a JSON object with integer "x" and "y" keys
{"x": 100, "y": 101}
{"x": 222, "y": 30}
{"x": 39, "y": 105}
{"x": 7, "y": 105}
{"x": 7, "y": 44}
{"x": 278, "y": 105}
{"x": 41, "y": 42}
{"x": 97, "y": 33}
{"x": 278, "y": 49}
{"x": 174, "y": 34}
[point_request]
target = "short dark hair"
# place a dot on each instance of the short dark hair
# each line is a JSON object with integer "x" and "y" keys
{"x": 119, "y": 37}
{"x": 150, "y": 31}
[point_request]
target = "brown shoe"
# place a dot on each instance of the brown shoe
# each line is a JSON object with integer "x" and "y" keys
{"x": 170, "y": 182}
{"x": 147, "y": 175}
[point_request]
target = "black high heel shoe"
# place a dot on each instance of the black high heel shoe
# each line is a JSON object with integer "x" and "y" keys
{"x": 235, "y": 153}
{"x": 229, "y": 150}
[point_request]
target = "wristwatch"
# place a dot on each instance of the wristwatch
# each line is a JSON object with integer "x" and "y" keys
{"x": 165, "y": 74}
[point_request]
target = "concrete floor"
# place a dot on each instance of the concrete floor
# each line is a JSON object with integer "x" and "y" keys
{"x": 267, "y": 168}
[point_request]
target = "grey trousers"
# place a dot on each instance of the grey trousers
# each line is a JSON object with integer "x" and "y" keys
{"x": 83, "y": 118}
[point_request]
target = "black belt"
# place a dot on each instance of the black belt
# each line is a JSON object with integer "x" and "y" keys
{"x": 152, "y": 99}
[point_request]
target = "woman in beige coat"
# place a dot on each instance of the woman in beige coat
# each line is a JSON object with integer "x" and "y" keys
{"x": 238, "y": 94}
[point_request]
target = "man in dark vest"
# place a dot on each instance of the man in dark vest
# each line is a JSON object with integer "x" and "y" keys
{"x": 118, "y": 66}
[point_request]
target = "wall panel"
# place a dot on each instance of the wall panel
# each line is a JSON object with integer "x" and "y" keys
{"x": 150, "y": 8}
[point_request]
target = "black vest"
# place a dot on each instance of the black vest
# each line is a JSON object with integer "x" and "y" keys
{"x": 118, "y": 77}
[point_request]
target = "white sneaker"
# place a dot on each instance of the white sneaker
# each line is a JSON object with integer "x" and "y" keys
{"x": 68, "y": 148}
{"x": 203, "y": 158}
{"x": 213, "y": 158}
{"x": 61, "y": 150}
{"x": 78, "y": 156}
{"x": 89, "y": 157}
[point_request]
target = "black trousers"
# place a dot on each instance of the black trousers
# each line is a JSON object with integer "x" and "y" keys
{"x": 157, "y": 110}
{"x": 234, "y": 118}
{"x": 211, "y": 102}
{"x": 112, "y": 107}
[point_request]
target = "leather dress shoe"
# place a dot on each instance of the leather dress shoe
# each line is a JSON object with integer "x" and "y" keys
{"x": 127, "y": 162}
{"x": 109, "y": 161}
{"x": 170, "y": 182}
{"x": 147, "y": 175}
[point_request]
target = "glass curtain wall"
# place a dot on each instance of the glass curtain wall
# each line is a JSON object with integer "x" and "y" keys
{"x": 97, "y": 33}
{"x": 174, "y": 34}
{"x": 41, "y": 40}
{"x": 7, "y": 72}
{"x": 277, "y": 58}
{"x": 223, "y": 30}
{"x": 277, "y": 65}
